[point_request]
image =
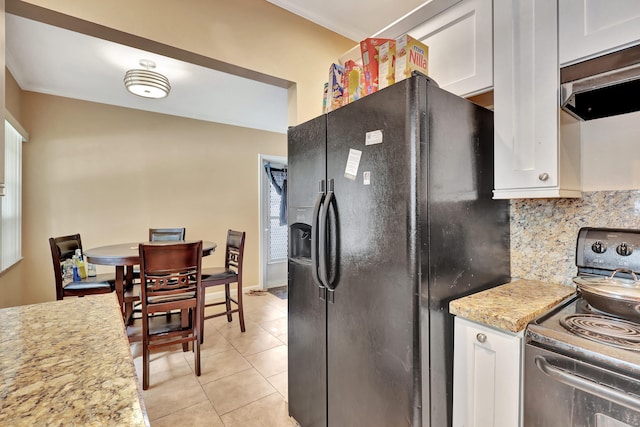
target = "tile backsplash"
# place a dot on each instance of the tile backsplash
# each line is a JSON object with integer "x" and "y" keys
{"x": 544, "y": 231}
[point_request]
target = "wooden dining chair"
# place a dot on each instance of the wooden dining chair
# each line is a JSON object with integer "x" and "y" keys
{"x": 171, "y": 277}
{"x": 230, "y": 273}
{"x": 62, "y": 249}
{"x": 133, "y": 274}
{"x": 161, "y": 234}
{"x": 157, "y": 235}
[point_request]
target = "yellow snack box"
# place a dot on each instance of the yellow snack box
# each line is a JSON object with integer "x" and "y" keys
{"x": 386, "y": 64}
{"x": 410, "y": 55}
{"x": 353, "y": 83}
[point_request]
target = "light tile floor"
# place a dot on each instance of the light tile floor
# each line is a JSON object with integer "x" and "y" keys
{"x": 244, "y": 375}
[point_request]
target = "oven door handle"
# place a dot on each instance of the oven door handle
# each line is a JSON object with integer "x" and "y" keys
{"x": 584, "y": 384}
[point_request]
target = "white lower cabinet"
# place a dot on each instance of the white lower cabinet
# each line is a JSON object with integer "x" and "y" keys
{"x": 486, "y": 376}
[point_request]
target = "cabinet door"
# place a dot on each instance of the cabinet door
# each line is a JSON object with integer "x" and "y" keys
{"x": 486, "y": 376}
{"x": 460, "y": 47}
{"x": 593, "y": 27}
{"x": 526, "y": 101}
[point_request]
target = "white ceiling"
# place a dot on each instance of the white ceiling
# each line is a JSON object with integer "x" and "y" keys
{"x": 55, "y": 61}
{"x": 51, "y": 60}
{"x": 354, "y": 19}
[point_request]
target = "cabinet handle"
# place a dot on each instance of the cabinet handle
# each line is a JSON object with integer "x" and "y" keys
{"x": 588, "y": 384}
{"x": 543, "y": 176}
{"x": 481, "y": 337}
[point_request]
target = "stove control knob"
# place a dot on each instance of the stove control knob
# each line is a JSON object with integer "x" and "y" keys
{"x": 599, "y": 247}
{"x": 624, "y": 249}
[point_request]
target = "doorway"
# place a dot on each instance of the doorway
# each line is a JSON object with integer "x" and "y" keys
{"x": 274, "y": 237}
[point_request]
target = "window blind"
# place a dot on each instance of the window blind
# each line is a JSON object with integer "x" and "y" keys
{"x": 11, "y": 248}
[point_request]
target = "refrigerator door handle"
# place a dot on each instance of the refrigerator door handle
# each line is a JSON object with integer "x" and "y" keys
{"x": 324, "y": 221}
{"x": 315, "y": 230}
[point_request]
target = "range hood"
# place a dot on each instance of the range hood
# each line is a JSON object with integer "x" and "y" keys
{"x": 602, "y": 87}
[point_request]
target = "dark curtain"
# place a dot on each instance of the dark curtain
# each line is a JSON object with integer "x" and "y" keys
{"x": 278, "y": 179}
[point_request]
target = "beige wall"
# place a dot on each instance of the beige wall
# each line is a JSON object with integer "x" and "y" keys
{"x": 13, "y": 97}
{"x": 110, "y": 173}
{"x": 103, "y": 171}
{"x": 252, "y": 34}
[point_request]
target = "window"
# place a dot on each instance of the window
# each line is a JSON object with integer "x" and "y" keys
{"x": 276, "y": 212}
{"x": 11, "y": 202}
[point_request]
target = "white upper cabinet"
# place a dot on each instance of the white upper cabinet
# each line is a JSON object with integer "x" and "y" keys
{"x": 459, "y": 35}
{"x": 535, "y": 154}
{"x": 590, "y": 28}
{"x": 460, "y": 47}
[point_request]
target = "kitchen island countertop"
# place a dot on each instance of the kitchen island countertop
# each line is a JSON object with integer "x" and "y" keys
{"x": 511, "y": 306}
{"x": 68, "y": 363}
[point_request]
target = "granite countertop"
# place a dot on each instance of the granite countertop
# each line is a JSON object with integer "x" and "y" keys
{"x": 68, "y": 363}
{"x": 512, "y": 305}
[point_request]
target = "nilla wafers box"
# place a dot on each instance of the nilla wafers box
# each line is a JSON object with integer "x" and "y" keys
{"x": 411, "y": 55}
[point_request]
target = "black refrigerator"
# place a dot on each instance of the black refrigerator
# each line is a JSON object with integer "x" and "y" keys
{"x": 390, "y": 217}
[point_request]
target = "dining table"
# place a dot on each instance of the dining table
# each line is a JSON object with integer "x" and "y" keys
{"x": 123, "y": 255}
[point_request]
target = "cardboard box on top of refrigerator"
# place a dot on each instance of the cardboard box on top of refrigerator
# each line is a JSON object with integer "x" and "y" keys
{"x": 411, "y": 55}
{"x": 369, "y": 48}
{"x": 335, "y": 89}
{"x": 386, "y": 64}
{"x": 325, "y": 95}
{"x": 353, "y": 82}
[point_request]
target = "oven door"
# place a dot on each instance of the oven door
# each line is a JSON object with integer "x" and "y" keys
{"x": 563, "y": 391}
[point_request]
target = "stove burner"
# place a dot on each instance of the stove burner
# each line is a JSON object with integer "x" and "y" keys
{"x": 584, "y": 307}
{"x": 616, "y": 332}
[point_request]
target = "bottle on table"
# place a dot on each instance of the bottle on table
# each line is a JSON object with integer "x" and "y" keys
{"x": 76, "y": 270}
{"x": 82, "y": 268}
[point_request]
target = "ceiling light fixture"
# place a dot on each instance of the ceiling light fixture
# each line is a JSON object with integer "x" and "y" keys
{"x": 147, "y": 83}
